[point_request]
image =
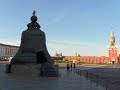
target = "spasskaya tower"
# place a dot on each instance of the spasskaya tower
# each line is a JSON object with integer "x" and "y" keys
{"x": 113, "y": 52}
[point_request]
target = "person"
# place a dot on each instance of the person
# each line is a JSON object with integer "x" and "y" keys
{"x": 67, "y": 67}
{"x": 74, "y": 65}
{"x": 71, "y": 66}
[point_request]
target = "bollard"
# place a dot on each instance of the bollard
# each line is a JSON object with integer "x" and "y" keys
{"x": 91, "y": 77}
{"x": 80, "y": 72}
{"x": 106, "y": 85}
{"x": 97, "y": 80}
{"x": 87, "y": 74}
{"x": 74, "y": 70}
{"x": 77, "y": 71}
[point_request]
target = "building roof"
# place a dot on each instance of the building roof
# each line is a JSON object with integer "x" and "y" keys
{"x": 8, "y": 45}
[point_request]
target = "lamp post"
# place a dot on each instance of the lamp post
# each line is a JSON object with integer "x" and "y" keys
{"x": 76, "y": 54}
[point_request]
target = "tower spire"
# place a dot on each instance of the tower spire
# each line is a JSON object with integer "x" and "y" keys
{"x": 112, "y": 51}
{"x": 34, "y": 12}
{"x": 112, "y": 34}
{"x": 112, "y": 40}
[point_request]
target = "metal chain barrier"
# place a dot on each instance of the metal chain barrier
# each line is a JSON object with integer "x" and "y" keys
{"x": 95, "y": 78}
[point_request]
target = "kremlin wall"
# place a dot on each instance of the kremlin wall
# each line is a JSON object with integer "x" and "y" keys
{"x": 111, "y": 58}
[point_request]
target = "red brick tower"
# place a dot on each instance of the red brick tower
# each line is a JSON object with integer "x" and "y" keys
{"x": 113, "y": 56}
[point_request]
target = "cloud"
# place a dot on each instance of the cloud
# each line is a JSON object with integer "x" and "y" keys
{"x": 72, "y": 47}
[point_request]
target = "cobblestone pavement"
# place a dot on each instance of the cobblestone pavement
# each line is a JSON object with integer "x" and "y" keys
{"x": 66, "y": 81}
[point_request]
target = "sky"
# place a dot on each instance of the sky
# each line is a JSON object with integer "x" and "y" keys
{"x": 71, "y": 26}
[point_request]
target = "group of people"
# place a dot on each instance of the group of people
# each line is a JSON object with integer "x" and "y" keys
{"x": 70, "y": 66}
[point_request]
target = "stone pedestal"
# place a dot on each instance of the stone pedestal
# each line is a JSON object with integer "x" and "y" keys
{"x": 28, "y": 69}
{"x": 33, "y": 70}
{"x": 52, "y": 71}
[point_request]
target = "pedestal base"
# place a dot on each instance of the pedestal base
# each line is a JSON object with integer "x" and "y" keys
{"x": 33, "y": 70}
{"x": 27, "y": 69}
{"x": 51, "y": 72}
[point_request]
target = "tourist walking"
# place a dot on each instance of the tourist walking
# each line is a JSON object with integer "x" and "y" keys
{"x": 71, "y": 66}
{"x": 74, "y": 65}
{"x": 67, "y": 66}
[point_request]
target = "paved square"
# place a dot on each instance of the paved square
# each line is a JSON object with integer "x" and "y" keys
{"x": 66, "y": 81}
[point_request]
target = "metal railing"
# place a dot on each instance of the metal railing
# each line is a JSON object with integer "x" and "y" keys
{"x": 98, "y": 79}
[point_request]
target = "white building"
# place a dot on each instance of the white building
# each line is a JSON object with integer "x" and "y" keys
{"x": 7, "y": 51}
